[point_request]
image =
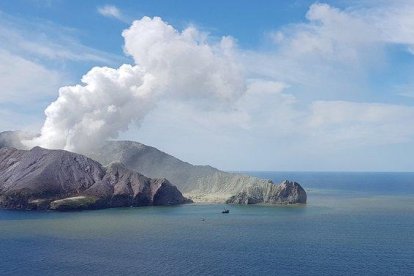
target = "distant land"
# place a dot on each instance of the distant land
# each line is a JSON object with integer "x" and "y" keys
{"x": 125, "y": 173}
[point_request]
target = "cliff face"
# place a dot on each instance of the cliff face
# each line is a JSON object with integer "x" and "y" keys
{"x": 124, "y": 187}
{"x": 61, "y": 180}
{"x": 285, "y": 193}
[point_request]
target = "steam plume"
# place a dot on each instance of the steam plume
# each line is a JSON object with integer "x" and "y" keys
{"x": 168, "y": 64}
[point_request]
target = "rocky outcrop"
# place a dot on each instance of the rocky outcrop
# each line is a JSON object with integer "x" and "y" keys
{"x": 61, "y": 180}
{"x": 285, "y": 193}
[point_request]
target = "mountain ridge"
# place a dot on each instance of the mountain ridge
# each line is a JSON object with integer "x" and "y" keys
{"x": 61, "y": 180}
{"x": 200, "y": 183}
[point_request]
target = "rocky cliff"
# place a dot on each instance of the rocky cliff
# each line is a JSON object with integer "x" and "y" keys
{"x": 61, "y": 180}
{"x": 286, "y": 192}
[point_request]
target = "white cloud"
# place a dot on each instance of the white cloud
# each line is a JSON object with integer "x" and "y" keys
{"x": 330, "y": 35}
{"x": 112, "y": 11}
{"x": 23, "y": 81}
{"x": 273, "y": 131}
{"x": 17, "y": 120}
{"x": 341, "y": 123}
{"x": 347, "y": 36}
{"x": 47, "y": 41}
{"x": 335, "y": 50}
{"x": 33, "y": 58}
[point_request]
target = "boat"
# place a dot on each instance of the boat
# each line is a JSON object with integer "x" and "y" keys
{"x": 225, "y": 211}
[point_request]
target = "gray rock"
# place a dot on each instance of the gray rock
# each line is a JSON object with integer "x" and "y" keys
{"x": 285, "y": 193}
{"x": 42, "y": 173}
{"x": 62, "y": 180}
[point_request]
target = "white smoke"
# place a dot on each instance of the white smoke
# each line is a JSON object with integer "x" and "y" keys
{"x": 168, "y": 64}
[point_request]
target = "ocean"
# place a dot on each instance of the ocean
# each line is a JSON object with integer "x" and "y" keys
{"x": 353, "y": 224}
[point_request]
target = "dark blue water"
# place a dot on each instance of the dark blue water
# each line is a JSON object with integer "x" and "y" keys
{"x": 354, "y": 223}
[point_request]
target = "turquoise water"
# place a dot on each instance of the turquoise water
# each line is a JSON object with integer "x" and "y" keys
{"x": 354, "y": 223}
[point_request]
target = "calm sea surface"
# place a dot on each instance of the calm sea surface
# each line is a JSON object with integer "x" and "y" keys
{"x": 354, "y": 223}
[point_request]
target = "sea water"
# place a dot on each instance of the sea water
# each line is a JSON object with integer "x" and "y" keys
{"x": 354, "y": 223}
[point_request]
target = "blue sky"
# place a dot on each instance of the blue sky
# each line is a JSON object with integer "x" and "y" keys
{"x": 243, "y": 20}
{"x": 269, "y": 85}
